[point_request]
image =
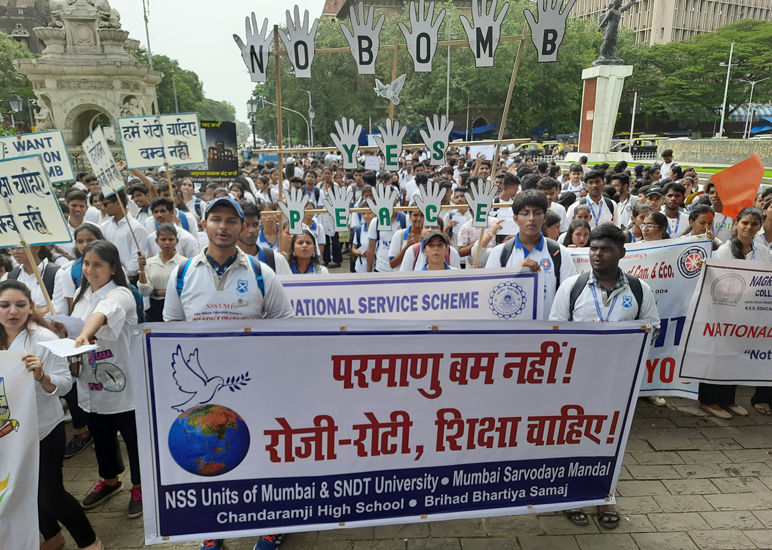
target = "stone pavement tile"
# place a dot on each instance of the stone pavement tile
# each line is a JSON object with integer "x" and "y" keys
{"x": 752, "y": 442}
{"x": 702, "y": 457}
{"x": 305, "y": 537}
{"x": 724, "y": 432}
{"x": 548, "y": 543}
{"x": 740, "y": 501}
{"x": 747, "y": 469}
{"x": 653, "y": 472}
{"x": 761, "y": 419}
{"x": 700, "y": 471}
{"x": 735, "y": 421}
{"x": 467, "y": 528}
{"x": 637, "y": 445}
{"x": 692, "y": 409}
{"x": 653, "y": 422}
{"x": 120, "y": 539}
{"x": 356, "y": 533}
{"x": 328, "y": 545}
{"x": 755, "y": 431}
{"x": 762, "y": 539}
{"x": 624, "y": 474}
{"x": 683, "y": 503}
{"x": 688, "y": 521}
{"x": 721, "y": 540}
{"x": 656, "y": 458}
{"x": 732, "y": 520}
{"x": 765, "y": 517}
{"x": 691, "y": 487}
{"x": 378, "y": 545}
{"x": 739, "y": 485}
{"x": 509, "y": 526}
{"x": 750, "y": 455}
{"x": 692, "y": 422}
{"x": 641, "y": 488}
{"x": 489, "y": 544}
{"x": 637, "y": 505}
{"x": 628, "y": 459}
{"x": 678, "y": 433}
{"x": 646, "y": 409}
{"x": 606, "y": 542}
{"x": 766, "y": 480}
{"x": 559, "y": 525}
{"x": 765, "y": 496}
{"x": 433, "y": 544}
{"x": 716, "y": 444}
{"x": 629, "y": 523}
{"x": 79, "y": 489}
{"x": 402, "y": 531}
{"x": 665, "y": 443}
{"x": 662, "y": 541}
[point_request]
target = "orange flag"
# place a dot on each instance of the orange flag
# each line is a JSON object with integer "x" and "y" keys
{"x": 738, "y": 185}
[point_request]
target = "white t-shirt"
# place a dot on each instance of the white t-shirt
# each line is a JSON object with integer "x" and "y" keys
{"x": 625, "y": 212}
{"x": 383, "y": 240}
{"x": 598, "y": 212}
{"x": 360, "y": 239}
{"x": 120, "y": 235}
{"x": 560, "y": 210}
{"x": 540, "y": 254}
{"x": 758, "y": 252}
{"x": 411, "y": 263}
{"x": 187, "y": 245}
{"x": 151, "y": 225}
{"x": 723, "y": 226}
{"x": 677, "y": 227}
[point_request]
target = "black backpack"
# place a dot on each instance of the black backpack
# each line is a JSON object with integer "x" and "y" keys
{"x": 581, "y": 282}
{"x": 552, "y": 247}
{"x": 48, "y": 276}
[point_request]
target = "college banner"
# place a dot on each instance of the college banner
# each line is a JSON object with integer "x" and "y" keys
{"x": 671, "y": 269}
{"x": 456, "y": 294}
{"x": 222, "y": 155}
{"x": 311, "y": 424}
{"x": 728, "y": 327}
{"x": 19, "y": 455}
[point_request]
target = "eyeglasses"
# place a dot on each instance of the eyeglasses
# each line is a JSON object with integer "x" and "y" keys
{"x": 530, "y": 214}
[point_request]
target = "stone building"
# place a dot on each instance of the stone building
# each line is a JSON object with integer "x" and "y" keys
{"x": 19, "y": 17}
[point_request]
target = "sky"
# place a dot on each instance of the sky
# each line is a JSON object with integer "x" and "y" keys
{"x": 199, "y": 35}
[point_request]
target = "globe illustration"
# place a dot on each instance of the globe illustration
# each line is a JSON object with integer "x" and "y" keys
{"x": 209, "y": 440}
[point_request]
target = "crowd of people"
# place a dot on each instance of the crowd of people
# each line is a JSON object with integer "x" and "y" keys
{"x": 164, "y": 247}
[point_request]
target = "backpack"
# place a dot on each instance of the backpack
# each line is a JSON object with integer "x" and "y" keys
{"x": 266, "y": 255}
{"x": 609, "y": 205}
{"x": 635, "y": 287}
{"x": 417, "y": 251}
{"x": 183, "y": 220}
{"x": 199, "y": 208}
{"x": 183, "y": 268}
{"x": 48, "y": 275}
{"x": 553, "y": 248}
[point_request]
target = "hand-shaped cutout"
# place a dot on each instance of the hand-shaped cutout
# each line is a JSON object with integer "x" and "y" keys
{"x": 255, "y": 51}
{"x": 390, "y": 142}
{"x": 484, "y": 35}
{"x": 383, "y": 205}
{"x": 366, "y": 40}
{"x": 421, "y": 38}
{"x": 429, "y": 201}
{"x": 293, "y": 208}
{"x": 437, "y": 139}
{"x": 480, "y": 199}
{"x": 548, "y": 33}
{"x": 347, "y": 141}
{"x": 300, "y": 43}
{"x": 338, "y": 204}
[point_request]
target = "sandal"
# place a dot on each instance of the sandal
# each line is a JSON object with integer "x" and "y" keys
{"x": 577, "y": 517}
{"x": 608, "y": 520}
{"x": 737, "y": 409}
{"x": 718, "y": 411}
{"x": 763, "y": 409}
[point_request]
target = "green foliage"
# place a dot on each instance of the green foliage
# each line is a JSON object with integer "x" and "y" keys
{"x": 190, "y": 91}
{"x": 12, "y": 81}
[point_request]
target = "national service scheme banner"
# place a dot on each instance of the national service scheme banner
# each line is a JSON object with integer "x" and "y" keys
{"x": 729, "y": 325}
{"x": 671, "y": 269}
{"x": 309, "y": 425}
{"x": 455, "y": 294}
{"x": 19, "y": 455}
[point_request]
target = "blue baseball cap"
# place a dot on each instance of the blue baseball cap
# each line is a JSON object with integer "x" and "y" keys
{"x": 225, "y": 201}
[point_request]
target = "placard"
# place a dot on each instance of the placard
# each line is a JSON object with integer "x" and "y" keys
{"x": 102, "y": 162}
{"x": 222, "y": 154}
{"x": 29, "y": 209}
{"x": 458, "y": 294}
{"x": 378, "y": 422}
{"x": 373, "y": 162}
{"x": 149, "y": 141}
{"x": 51, "y": 148}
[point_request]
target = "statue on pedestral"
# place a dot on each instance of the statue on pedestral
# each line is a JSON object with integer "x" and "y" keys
{"x": 44, "y": 120}
{"x": 609, "y": 26}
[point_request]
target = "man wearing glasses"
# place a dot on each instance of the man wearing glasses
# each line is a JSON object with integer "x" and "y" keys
{"x": 531, "y": 250}
{"x": 116, "y": 231}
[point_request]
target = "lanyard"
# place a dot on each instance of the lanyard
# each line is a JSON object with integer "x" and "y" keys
{"x": 592, "y": 210}
{"x": 632, "y": 234}
{"x": 406, "y": 233}
{"x": 678, "y": 222}
{"x": 753, "y": 252}
{"x": 597, "y": 305}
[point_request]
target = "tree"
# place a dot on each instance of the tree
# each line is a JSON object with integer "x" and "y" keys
{"x": 12, "y": 81}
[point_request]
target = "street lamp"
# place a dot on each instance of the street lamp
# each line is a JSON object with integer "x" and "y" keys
{"x": 17, "y": 104}
{"x": 726, "y": 90}
{"x": 749, "y": 117}
{"x": 252, "y": 112}
{"x": 311, "y": 115}
{"x": 30, "y": 103}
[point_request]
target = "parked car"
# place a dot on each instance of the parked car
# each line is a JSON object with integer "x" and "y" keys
{"x": 532, "y": 149}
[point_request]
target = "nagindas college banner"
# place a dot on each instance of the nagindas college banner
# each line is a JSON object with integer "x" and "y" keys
{"x": 671, "y": 269}
{"x": 265, "y": 426}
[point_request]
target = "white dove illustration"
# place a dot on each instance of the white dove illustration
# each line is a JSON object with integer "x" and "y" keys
{"x": 390, "y": 91}
{"x": 192, "y": 379}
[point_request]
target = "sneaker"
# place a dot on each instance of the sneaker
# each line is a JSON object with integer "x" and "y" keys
{"x": 214, "y": 544}
{"x": 101, "y": 492}
{"x": 135, "y": 504}
{"x": 77, "y": 445}
{"x": 657, "y": 400}
{"x": 268, "y": 542}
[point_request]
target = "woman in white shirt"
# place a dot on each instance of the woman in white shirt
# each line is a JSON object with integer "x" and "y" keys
{"x": 719, "y": 400}
{"x": 106, "y": 305}
{"x": 22, "y": 328}
{"x": 154, "y": 272}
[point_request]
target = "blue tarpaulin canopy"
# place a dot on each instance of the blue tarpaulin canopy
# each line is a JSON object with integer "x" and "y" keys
{"x": 456, "y": 134}
{"x": 766, "y": 125}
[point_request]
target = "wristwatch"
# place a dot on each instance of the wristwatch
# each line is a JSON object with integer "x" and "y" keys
{"x": 155, "y": 292}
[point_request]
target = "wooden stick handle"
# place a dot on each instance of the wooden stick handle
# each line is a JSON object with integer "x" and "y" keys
{"x": 39, "y": 278}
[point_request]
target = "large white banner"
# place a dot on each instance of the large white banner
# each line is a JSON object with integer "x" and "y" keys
{"x": 457, "y": 294}
{"x": 49, "y": 145}
{"x": 728, "y": 325}
{"x": 19, "y": 455}
{"x": 671, "y": 269}
{"x": 29, "y": 209}
{"x": 149, "y": 141}
{"x": 102, "y": 162}
{"x": 312, "y": 425}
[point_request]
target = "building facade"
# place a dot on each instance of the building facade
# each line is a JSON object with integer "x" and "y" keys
{"x": 19, "y": 17}
{"x": 663, "y": 21}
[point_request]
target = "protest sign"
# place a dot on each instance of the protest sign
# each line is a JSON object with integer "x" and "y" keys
{"x": 492, "y": 294}
{"x": 29, "y": 211}
{"x": 102, "y": 162}
{"x": 49, "y": 145}
{"x": 149, "y": 141}
{"x": 19, "y": 455}
{"x": 365, "y": 40}
{"x": 222, "y": 154}
{"x": 671, "y": 269}
{"x": 738, "y": 185}
{"x": 487, "y": 152}
{"x": 727, "y": 334}
{"x": 377, "y": 422}
{"x": 372, "y": 162}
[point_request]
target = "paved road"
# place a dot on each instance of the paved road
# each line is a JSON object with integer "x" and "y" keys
{"x": 688, "y": 482}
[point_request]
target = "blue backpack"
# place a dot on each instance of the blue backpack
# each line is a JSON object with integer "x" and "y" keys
{"x": 183, "y": 221}
{"x": 184, "y": 269}
{"x": 77, "y": 274}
